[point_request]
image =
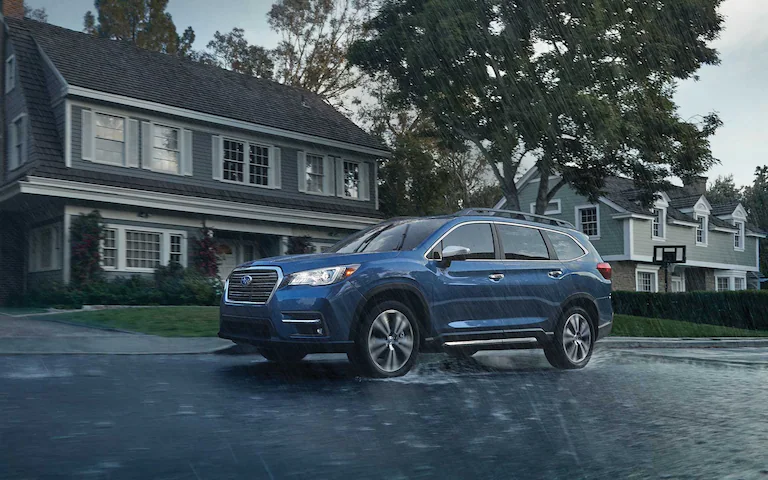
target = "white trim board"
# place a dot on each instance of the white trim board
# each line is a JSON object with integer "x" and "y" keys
{"x": 219, "y": 120}
{"x": 182, "y": 203}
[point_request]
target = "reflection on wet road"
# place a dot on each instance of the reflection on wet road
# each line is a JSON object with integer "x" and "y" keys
{"x": 499, "y": 415}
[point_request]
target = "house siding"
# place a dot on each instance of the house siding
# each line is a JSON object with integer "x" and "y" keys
{"x": 202, "y": 163}
{"x": 611, "y": 240}
{"x": 719, "y": 249}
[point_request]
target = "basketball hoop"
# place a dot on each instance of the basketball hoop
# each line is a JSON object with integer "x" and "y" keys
{"x": 666, "y": 256}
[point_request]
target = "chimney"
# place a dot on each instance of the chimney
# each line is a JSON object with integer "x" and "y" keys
{"x": 13, "y": 8}
{"x": 695, "y": 185}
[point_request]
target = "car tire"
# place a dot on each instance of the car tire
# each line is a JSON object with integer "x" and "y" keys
{"x": 573, "y": 342}
{"x": 458, "y": 352}
{"x": 282, "y": 356}
{"x": 387, "y": 341}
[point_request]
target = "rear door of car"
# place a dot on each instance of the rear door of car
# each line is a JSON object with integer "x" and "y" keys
{"x": 532, "y": 276}
{"x": 469, "y": 294}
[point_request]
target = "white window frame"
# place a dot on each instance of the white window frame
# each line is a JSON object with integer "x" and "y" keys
{"x": 17, "y": 153}
{"x": 165, "y": 246}
{"x": 662, "y": 223}
{"x": 677, "y": 279}
{"x": 342, "y": 180}
{"x": 654, "y": 271}
{"x": 271, "y": 180}
{"x": 741, "y": 226}
{"x": 150, "y": 165}
{"x": 35, "y": 256}
{"x": 704, "y": 229}
{"x": 731, "y": 277}
{"x": 551, "y": 211}
{"x": 743, "y": 279}
{"x": 94, "y": 114}
{"x": 10, "y": 73}
{"x": 324, "y": 163}
{"x": 577, "y": 216}
{"x": 116, "y": 249}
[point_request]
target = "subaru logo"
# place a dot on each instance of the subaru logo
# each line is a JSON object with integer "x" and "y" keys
{"x": 246, "y": 280}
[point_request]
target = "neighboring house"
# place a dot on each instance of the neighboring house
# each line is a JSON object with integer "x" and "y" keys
{"x": 160, "y": 147}
{"x": 723, "y": 250}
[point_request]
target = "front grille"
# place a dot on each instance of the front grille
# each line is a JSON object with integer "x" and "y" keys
{"x": 257, "y": 291}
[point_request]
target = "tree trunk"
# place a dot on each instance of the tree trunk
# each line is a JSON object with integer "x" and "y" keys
{"x": 542, "y": 199}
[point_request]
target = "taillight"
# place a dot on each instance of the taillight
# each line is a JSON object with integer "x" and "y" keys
{"x": 605, "y": 270}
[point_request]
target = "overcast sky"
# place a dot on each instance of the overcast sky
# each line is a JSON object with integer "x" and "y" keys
{"x": 736, "y": 89}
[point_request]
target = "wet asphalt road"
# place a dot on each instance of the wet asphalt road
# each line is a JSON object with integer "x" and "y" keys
{"x": 502, "y": 415}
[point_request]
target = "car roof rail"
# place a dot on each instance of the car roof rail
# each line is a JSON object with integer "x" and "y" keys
{"x": 517, "y": 215}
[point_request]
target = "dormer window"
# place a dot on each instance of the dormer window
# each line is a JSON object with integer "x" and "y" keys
{"x": 658, "y": 228}
{"x": 701, "y": 229}
{"x": 10, "y": 73}
{"x": 738, "y": 237}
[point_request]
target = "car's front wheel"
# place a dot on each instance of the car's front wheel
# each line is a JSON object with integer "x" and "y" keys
{"x": 573, "y": 342}
{"x": 387, "y": 342}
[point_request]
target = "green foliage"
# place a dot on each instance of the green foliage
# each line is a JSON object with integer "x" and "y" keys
{"x": 746, "y": 309}
{"x": 232, "y": 51}
{"x": 144, "y": 23}
{"x": 39, "y": 14}
{"x": 86, "y": 234}
{"x": 723, "y": 190}
{"x": 586, "y": 88}
{"x": 756, "y": 203}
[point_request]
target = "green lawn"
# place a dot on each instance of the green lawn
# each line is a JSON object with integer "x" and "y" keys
{"x": 627, "y": 326}
{"x": 163, "y": 321}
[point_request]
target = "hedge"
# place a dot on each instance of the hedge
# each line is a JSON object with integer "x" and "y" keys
{"x": 172, "y": 285}
{"x": 744, "y": 309}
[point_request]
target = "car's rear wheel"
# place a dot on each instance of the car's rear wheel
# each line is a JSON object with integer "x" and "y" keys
{"x": 387, "y": 342}
{"x": 282, "y": 356}
{"x": 573, "y": 342}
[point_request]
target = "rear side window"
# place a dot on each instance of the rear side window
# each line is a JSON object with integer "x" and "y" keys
{"x": 520, "y": 243}
{"x": 477, "y": 237}
{"x": 565, "y": 247}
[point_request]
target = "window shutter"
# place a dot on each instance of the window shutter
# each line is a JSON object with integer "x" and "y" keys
{"x": 23, "y": 136}
{"x": 328, "y": 176}
{"x": 13, "y": 162}
{"x": 146, "y": 145}
{"x": 275, "y": 173}
{"x": 217, "y": 150}
{"x": 132, "y": 142}
{"x": 365, "y": 182}
{"x": 302, "y": 167}
{"x": 339, "y": 177}
{"x": 88, "y": 135}
{"x": 186, "y": 152}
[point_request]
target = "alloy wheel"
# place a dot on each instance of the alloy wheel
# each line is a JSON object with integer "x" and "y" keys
{"x": 390, "y": 340}
{"x": 577, "y": 338}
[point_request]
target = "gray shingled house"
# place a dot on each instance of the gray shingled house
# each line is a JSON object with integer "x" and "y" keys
{"x": 723, "y": 248}
{"x": 160, "y": 146}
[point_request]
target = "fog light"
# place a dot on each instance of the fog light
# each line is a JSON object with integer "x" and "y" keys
{"x": 320, "y": 331}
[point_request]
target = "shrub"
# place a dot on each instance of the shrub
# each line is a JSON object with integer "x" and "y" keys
{"x": 86, "y": 234}
{"x": 744, "y": 309}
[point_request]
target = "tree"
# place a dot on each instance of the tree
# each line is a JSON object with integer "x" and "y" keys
{"x": 316, "y": 35}
{"x": 233, "y": 52}
{"x": 756, "y": 203}
{"x": 584, "y": 87}
{"x": 38, "y": 14}
{"x": 144, "y": 23}
{"x": 723, "y": 190}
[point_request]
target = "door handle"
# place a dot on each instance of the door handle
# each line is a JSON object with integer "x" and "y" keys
{"x": 555, "y": 274}
{"x": 496, "y": 276}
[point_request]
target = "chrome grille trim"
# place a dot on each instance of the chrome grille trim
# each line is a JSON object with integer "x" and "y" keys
{"x": 262, "y": 284}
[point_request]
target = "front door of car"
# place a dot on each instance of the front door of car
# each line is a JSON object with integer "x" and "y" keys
{"x": 533, "y": 278}
{"x": 469, "y": 294}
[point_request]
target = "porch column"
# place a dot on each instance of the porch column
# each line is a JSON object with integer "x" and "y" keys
{"x": 283, "y": 244}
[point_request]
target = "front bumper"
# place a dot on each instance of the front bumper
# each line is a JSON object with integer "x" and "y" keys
{"x": 316, "y": 319}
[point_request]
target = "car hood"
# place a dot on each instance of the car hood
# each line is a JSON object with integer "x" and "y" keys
{"x": 297, "y": 263}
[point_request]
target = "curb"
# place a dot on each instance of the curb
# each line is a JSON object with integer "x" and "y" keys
{"x": 721, "y": 342}
{"x": 82, "y": 325}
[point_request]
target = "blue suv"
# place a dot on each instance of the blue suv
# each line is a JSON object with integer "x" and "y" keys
{"x": 480, "y": 279}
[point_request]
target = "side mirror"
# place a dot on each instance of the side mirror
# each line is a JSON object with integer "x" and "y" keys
{"x": 452, "y": 254}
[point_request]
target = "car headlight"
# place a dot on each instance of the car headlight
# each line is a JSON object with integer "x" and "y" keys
{"x": 321, "y": 276}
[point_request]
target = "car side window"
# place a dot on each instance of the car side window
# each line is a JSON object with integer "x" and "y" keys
{"x": 565, "y": 247}
{"x": 477, "y": 237}
{"x": 521, "y": 243}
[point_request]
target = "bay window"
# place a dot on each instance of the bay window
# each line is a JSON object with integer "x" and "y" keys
{"x": 140, "y": 249}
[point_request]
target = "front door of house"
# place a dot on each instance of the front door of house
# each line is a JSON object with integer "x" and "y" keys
{"x": 229, "y": 260}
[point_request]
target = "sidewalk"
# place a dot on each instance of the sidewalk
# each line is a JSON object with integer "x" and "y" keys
{"x": 653, "y": 342}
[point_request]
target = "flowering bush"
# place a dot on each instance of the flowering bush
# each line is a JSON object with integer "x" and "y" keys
{"x": 86, "y": 234}
{"x": 206, "y": 253}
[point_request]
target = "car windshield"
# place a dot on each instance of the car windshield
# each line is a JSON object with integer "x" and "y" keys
{"x": 390, "y": 236}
